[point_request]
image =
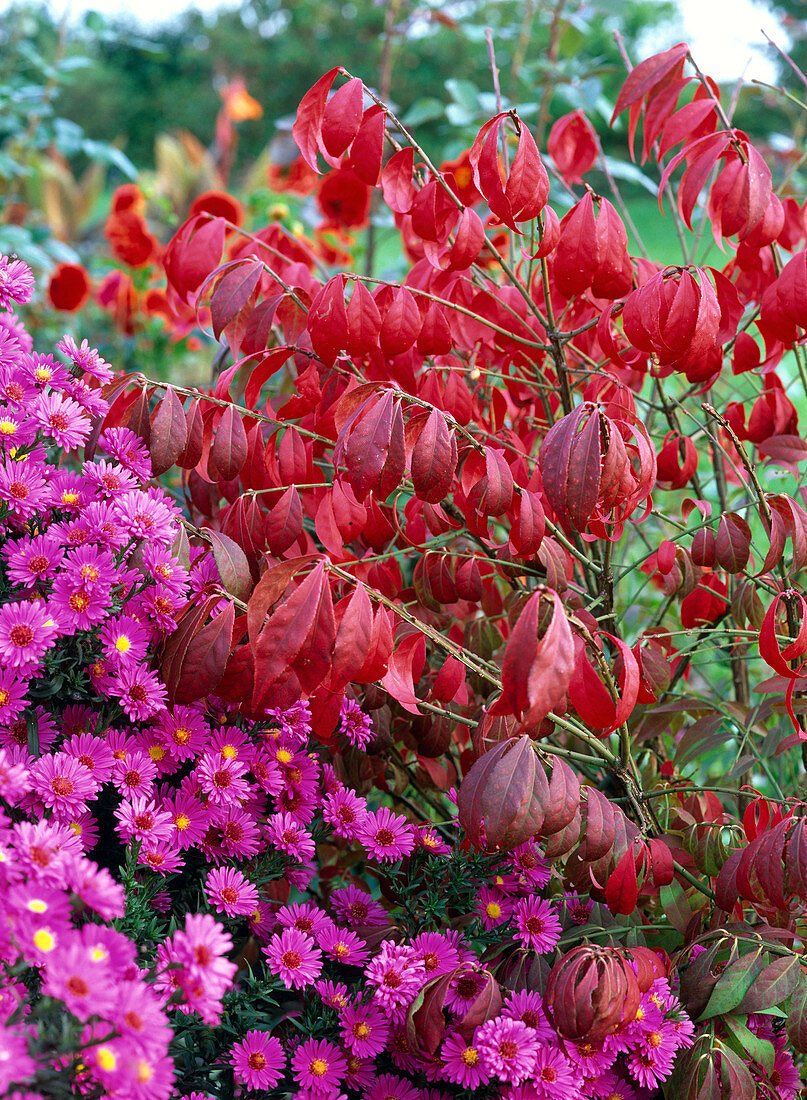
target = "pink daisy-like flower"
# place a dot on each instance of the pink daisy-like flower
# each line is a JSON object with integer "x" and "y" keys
{"x": 465, "y": 988}
{"x": 343, "y": 945}
{"x": 258, "y": 1060}
{"x": 201, "y": 947}
{"x": 12, "y": 695}
{"x": 134, "y": 775}
{"x": 462, "y": 1063}
{"x": 185, "y": 731}
{"x": 289, "y": 836}
{"x": 318, "y": 1065}
{"x": 108, "y": 478}
{"x": 346, "y": 812}
{"x": 357, "y": 908}
{"x": 23, "y": 488}
{"x": 160, "y": 856}
{"x": 493, "y": 907}
{"x": 333, "y": 994}
{"x": 651, "y": 1060}
{"x": 390, "y": 1087}
{"x": 83, "y": 984}
{"x": 189, "y": 818}
{"x": 397, "y": 975}
{"x": 140, "y": 691}
{"x": 387, "y": 836}
{"x": 538, "y": 924}
{"x": 145, "y": 516}
{"x": 77, "y": 608}
{"x": 589, "y": 1058}
{"x": 507, "y": 1048}
{"x": 123, "y": 640}
{"x": 230, "y": 892}
{"x": 355, "y": 724}
{"x": 553, "y": 1075}
{"x": 238, "y": 832}
{"x": 222, "y": 781}
{"x": 304, "y": 917}
{"x": 530, "y": 865}
{"x": 128, "y": 449}
{"x": 62, "y": 420}
{"x": 62, "y": 783}
{"x": 294, "y": 958}
{"x": 140, "y": 819}
{"x": 430, "y": 841}
{"x": 32, "y": 560}
{"x": 85, "y": 358}
{"x": 365, "y": 1029}
{"x": 436, "y": 952}
{"x": 528, "y": 1007}
{"x": 13, "y": 779}
{"x": 27, "y": 630}
{"x": 16, "y": 282}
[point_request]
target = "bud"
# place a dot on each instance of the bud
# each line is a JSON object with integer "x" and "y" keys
{"x": 591, "y": 992}
{"x": 503, "y": 797}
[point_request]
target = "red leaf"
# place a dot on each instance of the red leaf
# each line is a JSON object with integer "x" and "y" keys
{"x": 168, "y": 434}
{"x": 342, "y": 117}
{"x": 396, "y": 181}
{"x": 284, "y": 634}
{"x": 527, "y": 531}
{"x": 401, "y": 320}
{"x": 233, "y": 291}
{"x": 732, "y": 543}
{"x": 363, "y": 321}
{"x": 192, "y": 253}
{"x": 769, "y": 649}
{"x": 192, "y": 451}
{"x": 498, "y": 491}
{"x": 646, "y": 75}
{"x": 404, "y": 671}
{"x": 259, "y": 375}
{"x": 284, "y": 521}
{"x": 232, "y": 564}
{"x": 205, "y": 658}
{"x": 434, "y": 459}
{"x": 536, "y": 673}
{"x": 570, "y": 461}
{"x": 308, "y": 123}
{"x": 367, "y": 150}
{"x": 327, "y": 320}
{"x": 622, "y": 888}
{"x": 353, "y": 637}
{"x": 228, "y": 451}
{"x": 572, "y": 144}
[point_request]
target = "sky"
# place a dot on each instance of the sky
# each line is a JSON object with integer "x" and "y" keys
{"x": 725, "y": 35}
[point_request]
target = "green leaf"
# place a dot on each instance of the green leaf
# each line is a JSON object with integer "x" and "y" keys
{"x": 773, "y": 985}
{"x": 747, "y": 1043}
{"x": 734, "y": 983}
{"x": 424, "y": 110}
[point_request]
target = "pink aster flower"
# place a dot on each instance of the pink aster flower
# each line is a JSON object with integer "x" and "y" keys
{"x": 128, "y": 449}
{"x": 293, "y": 958}
{"x": 16, "y": 282}
{"x": 189, "y": 817}
{"x": 538, "y": 924}
{"x": 553, "y": 1075}
{"x": 651, "y": 1060}
{"x": 32, "y": 559}
{"x": 289, "y": 836}
{"x": 222, "y": 781}
{"x": 365, "y": 1029}
{"x": 85, "y": 358}
{"x": 12, "y": 695}
{"x": 397, "y": 975}
{"x": 318, "y": 1065}
{"x": 27, "y": 630}
{"x": 185, "y": 731}
{"x": 390, "y": 1087}
{"x": 333, "y": 994}
{"x": 141, "y": 693}
{"x": 387, "y": 836}
{"x": 346, "y": 812}
{"x": 134, "y": 775}
{"x": 13, "y": 779}
{"x": 23, "y": 488}
{"x": 493, "y": 907}
{"x": 258, "y": 1060}
{"x": 357, "y": 908}
{"x": 160, "y": 856}
{"x": 141, "y": 819}
{"x": 201, "y": 947}
{"x": 62, "y": 783}
{"x": 507, "y": 1048}
{"x": 343, "y": 945}
{"x": 62, "y": 420}
{"x": 528, "y": 1007}
{"x": 145, "y": 516}
{"x": 436, "y": 952}
{"x": 304, "y": 917}
{"x": 430, "y": 841}
{"x": 465, "y": 988}
{"x": 83, "y": 984}
{"x": 355, "y": 724}
{"x": 238, "y": 831}
{"x": 530, "y": 865}
{"x": 462, "y": 1063}
{"x": 228, "y": 891}
{"x": 78, "y": 608}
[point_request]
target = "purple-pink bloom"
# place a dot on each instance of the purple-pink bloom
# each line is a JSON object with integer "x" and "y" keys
{"x": 462, "y": 1063}
{"x": 507, "y": 1048}
{"x": 230, "y": 892}
{"x": 294, "y": 958}
{"x": 318, "y": 1065}
{"x": 27, "y": 630}
{"x": 537, "y": 923}
{"x": 387, "y": 836}
{"x": 258, "y": 1060}
{"x": 16, "y": 282}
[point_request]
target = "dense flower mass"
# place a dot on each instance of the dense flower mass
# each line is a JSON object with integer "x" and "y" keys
{"x": 331, "y": 764}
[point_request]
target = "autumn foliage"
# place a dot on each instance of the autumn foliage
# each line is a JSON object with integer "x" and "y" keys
{"x": 527, "y": 506}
